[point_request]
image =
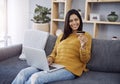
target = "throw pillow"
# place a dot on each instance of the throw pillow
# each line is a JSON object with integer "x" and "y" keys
{"x": 35, "y": 39}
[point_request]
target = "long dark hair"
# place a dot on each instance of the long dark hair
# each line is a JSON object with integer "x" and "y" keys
{"x": 67, "y": 29}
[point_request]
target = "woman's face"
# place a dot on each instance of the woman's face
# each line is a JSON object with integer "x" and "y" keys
{"x": 74, "y": 22}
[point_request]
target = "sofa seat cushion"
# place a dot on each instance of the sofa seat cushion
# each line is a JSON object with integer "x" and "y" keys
{"x": 94, "y": 78}
{"x": 105, "y": 56}
{"x": 9, "y": 69}
{"x": 98, "y": 78}
{"x": 50, "y": 44}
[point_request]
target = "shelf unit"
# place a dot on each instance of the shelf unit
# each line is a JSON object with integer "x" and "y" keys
{"x": 97, "y": 23}
{"x": 55, "y": 13}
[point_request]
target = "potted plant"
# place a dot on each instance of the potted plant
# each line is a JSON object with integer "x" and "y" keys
{"x": 41, "y": 18}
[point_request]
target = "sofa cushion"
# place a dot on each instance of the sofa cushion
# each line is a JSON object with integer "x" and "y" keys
{"x": 9, "y": 68}
{"x": 91, "y": 78}
{"x": 35, "y": 39}
{"x": 105, "y": 56}
{"x": 50, "y": 44}
{"x": 7, "y": 52}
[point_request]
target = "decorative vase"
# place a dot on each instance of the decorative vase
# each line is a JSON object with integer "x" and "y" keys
{"x": 80, "y": 12}
{"x": 112, "y": 17}
{"x": 115, "y": 38}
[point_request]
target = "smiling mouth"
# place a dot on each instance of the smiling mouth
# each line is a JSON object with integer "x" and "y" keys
{"x": 75, "y": 26}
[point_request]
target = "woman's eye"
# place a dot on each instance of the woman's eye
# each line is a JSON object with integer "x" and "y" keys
{"x": 76, "y": 19}
{"x": 71, "y": 20}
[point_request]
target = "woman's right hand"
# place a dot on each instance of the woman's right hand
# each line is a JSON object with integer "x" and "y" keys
{"x": 83, "y": 40}
{"x": 50, "y": 60}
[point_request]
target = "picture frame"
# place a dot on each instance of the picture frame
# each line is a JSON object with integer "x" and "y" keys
{"x": 94, "y": 17}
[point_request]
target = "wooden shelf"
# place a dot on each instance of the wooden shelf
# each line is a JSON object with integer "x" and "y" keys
{"x": 55, "y": 13}
{"x": 58, "y": 1}
{"x": 92, "y": 1}
{"x": 59, "y": 20}
{"x": 102, "y": 22}
{"x": 97, "y": 23}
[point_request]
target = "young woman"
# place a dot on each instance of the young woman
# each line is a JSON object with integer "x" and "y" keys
{"x": 71, "y": 50}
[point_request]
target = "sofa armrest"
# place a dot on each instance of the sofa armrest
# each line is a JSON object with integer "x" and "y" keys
{"x": 10, "y": 51}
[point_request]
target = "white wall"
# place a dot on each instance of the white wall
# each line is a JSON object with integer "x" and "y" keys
{"x": 18, "y": 19}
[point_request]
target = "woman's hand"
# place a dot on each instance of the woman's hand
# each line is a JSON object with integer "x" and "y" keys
{"x": 50, "y": 60}
{"x": 83, "y": 39}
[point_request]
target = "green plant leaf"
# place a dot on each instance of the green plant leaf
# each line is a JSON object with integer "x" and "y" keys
{"x": 41, "y": 14}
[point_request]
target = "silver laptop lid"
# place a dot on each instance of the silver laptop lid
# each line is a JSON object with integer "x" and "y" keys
{"x": 36, "y": 58}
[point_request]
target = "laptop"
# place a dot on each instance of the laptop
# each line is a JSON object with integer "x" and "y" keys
{"x": 37, "y": 58}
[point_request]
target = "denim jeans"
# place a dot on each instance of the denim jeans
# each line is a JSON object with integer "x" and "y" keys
{"x": 32, "y": 75}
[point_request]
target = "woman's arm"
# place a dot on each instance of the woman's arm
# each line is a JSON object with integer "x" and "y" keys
{"x": 85, "y": 50}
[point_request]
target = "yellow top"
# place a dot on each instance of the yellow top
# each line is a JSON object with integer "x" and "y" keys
{"x": 69, "y": 53}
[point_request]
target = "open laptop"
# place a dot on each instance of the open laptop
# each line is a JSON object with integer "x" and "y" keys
{"x": 37, "y": 58}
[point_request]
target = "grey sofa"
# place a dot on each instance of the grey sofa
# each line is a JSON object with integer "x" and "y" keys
{"x": 104, "y": 66}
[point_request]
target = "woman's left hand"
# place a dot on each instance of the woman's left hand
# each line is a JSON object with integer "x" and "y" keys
{"x": 50, "y": 60}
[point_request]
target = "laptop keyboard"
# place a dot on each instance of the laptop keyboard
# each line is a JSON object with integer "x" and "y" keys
{"x": 52, "y": 67}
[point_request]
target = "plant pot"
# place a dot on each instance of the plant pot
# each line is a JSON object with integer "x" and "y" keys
{"x": 42, "y": 26}
{"x": 112, "y": 17}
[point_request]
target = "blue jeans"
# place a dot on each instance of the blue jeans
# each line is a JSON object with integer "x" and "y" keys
{"x": 32, "y": 75}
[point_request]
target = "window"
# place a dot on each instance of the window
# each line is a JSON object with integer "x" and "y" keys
{"x": 3, "y": 22}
